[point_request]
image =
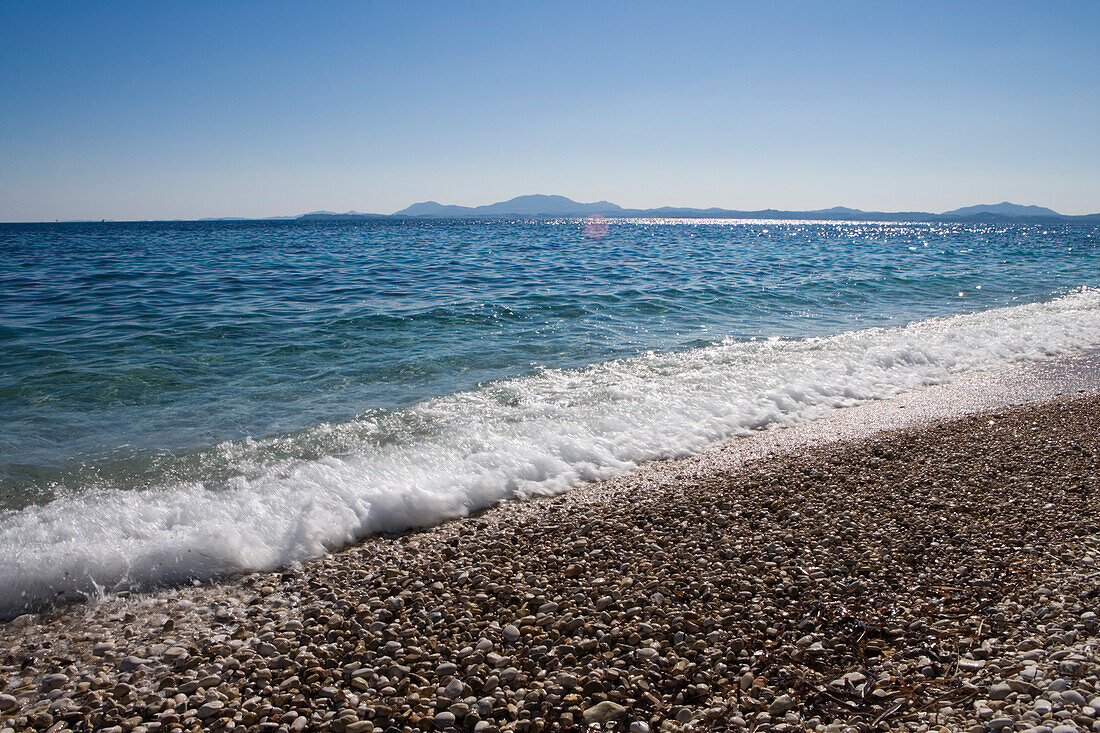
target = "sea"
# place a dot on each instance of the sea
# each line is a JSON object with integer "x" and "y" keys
{"x": 180, "y": 401}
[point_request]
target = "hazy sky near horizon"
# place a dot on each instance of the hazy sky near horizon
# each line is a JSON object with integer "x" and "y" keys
{"x": 141, "y": 110}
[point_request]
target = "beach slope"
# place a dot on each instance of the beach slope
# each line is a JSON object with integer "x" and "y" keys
{"x": 938, "y": 576}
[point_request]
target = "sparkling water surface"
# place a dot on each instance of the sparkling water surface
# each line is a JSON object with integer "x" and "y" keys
{"x": 125, "y": 348}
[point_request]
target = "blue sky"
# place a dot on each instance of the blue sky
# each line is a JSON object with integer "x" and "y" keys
{"x": 182, "y": 110}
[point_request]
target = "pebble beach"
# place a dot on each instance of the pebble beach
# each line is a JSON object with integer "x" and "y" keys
{"x": 940, "y": 576}
{"x": 514, "y": 368}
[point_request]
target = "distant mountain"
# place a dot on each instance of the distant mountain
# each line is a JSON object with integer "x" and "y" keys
{"x": 432, "y": 208}
{"x": 542, "y": 205}
{"x": 839, "y": 210}
{"x": 327, "y": 215}
{"x": 1003, "y": 209}
{"x": 532, "y": 205}
{"x": 337, "y": 213}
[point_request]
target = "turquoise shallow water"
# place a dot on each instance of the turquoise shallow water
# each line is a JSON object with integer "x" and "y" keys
{"x": 124, "y": 340}
{"x": 182, "y": 400}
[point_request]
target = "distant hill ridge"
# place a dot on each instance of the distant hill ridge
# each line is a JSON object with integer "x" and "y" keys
{"x": 1003, "y": 209}
{"x": 532, "y": 205}
{"x": 546, "y": 205}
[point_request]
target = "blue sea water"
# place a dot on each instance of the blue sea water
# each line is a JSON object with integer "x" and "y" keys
{"x": 218, "y": 396}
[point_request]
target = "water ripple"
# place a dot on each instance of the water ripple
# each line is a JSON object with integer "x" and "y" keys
{"x": 127, "y": 342}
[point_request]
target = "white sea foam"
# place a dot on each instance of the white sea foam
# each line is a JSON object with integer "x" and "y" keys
{"x": 533, "y": 435}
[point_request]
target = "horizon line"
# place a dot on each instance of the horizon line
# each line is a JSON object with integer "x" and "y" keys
{"x": 629, "y": 211}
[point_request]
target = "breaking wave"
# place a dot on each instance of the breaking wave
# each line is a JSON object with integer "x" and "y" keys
{"x": 256, "y": 505}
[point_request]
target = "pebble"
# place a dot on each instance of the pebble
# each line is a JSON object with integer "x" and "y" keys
{"x": 781, "y": 705}
{"x": 131, "y": 663}
{"x": 603, "y": 712}
{"x": 211, "y": 708}
{"x": 359, "y": 726}
{"x": 1074, "y": 697}
{"x": 895, "y": 578}
{"x": 454, "y": 688}
{"x": 52, "y": 682}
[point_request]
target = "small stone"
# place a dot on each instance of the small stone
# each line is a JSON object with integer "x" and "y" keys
{"x": 210, "y": 709}
{"x": 1000, "y": 691}
{"x": 603, "y": 712}
{"x": 23, "y": 621}
{"x": 568, "y": 681}
{"x": 971, "y": 665}
{"x": 639, "y": 726}
{"x": 359, "y": 726}
{"x": 52, "y": 682}
{"x": 210, "y": 680}
{"x": 129, "y": 664}
{"x": 8, "y": 702}
{"x": 781, "y": 705}
{"x": 510, "y": 633}
{"x": 280, "y": 662}
{"x": 444, "y": 719}
{"x": 855, "y": 678}
{"x": 1069, "y": 667}
{"x": 454, "y": 689}
{"x": 1075, "y": 697}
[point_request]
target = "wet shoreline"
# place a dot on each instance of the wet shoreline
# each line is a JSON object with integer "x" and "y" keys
{"x": 941, "y": 574}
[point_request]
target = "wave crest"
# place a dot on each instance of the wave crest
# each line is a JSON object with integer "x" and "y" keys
{"x": 264, "y": 504}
